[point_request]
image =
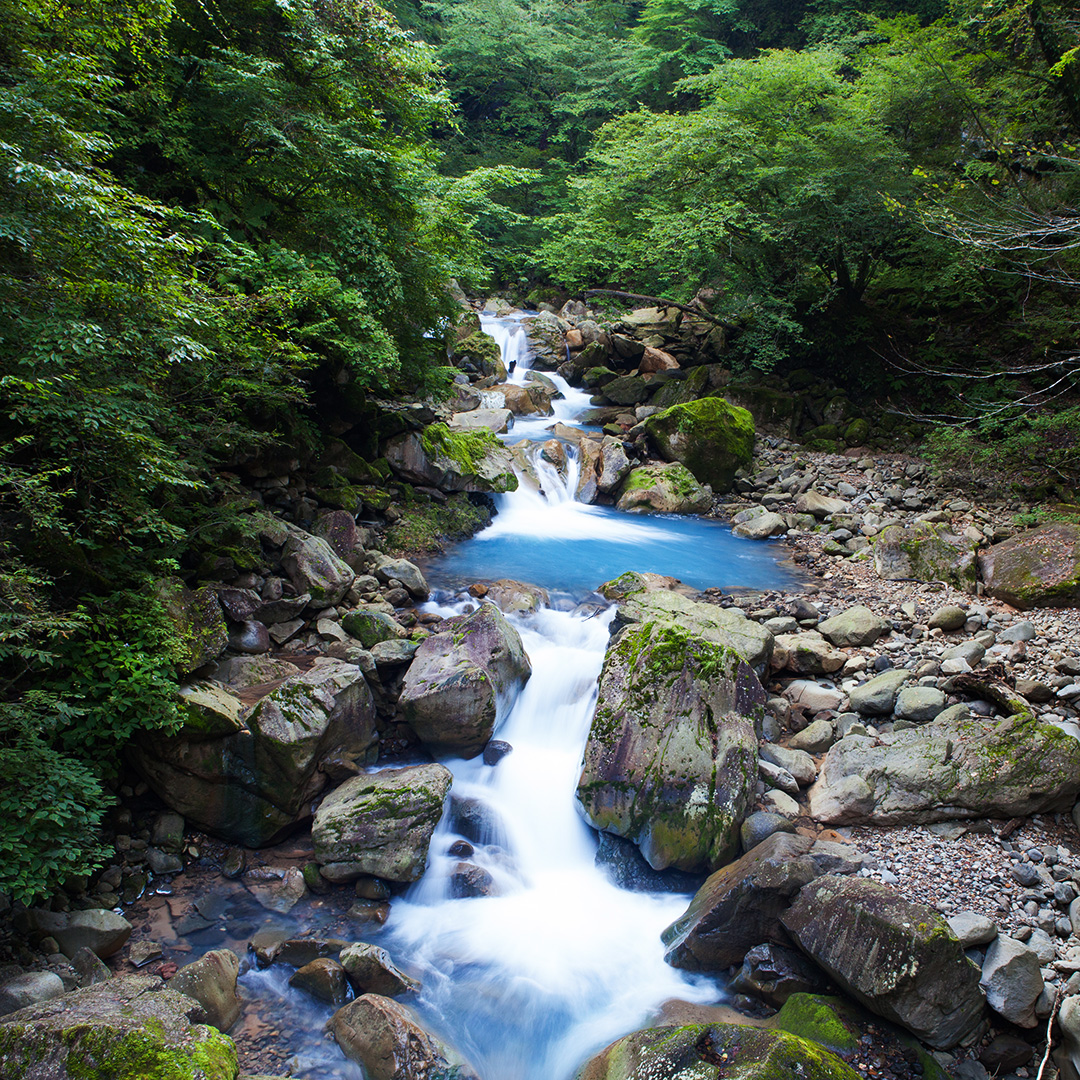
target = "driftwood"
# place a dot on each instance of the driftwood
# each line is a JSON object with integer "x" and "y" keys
{"x": 659, "y": 301}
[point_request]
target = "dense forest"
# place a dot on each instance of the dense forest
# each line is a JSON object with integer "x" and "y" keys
{"x": 229, "y": 227}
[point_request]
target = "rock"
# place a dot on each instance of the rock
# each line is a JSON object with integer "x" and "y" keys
{"x": 381, "y": 823}
{"x": 250, "y": 637}
{"x": 760, "y": 825}
{"x": 371, "y": 971}
{"x": 141, "y": 953}
{"x": 797, "y": 762}
{"x": 740, "y": 906}
{"x": 613, "y": 465}
{"x": 761, "y": 526}
{"x": 919, "y": 704}
{"x": 281, "y": 894}
{"x": 168, "y": 832}
{"x": 101, "y": 1030}
{"x": 239, "y": 605}
{"x": 947, "y": 771}
{"x": 971, "y": 651}
{"x": 711, "y": 437}
{"x": 1067, "y": 1055}
{"x": 773, "y": 973}
{"x": 324, "y": 979}
{"x": 1037, "y": 568}
{"x": 314, "y": 569}
{"x": 815, "y": 738}
{"x": 451, "y": 691}
{"x": 30, "y": 988}
{"x": 776, "y": 777}
{"x": 496, "y": 420}
{"x": 656, "y": 360}
{"x": 665, "y": 489}
{"x": 387, "y": 1040}
{"x": 807, "y": 653}
{"x": 1005, "y": 1053}
{"x": 452, "y": 460}
{"x": 949, "y": 617}
{"x": 671, "y": 758}
{"x": 391, "y": 654}
{"x": 694, "y": 1052}
{"x": 821, "y": 506}
{"x": 898, "y": 959}
{"x": 89, "y": 967}
{"x": 338, "y": 529}
{"x": 197, "y": 621}
{"x": 831, "y": 857}
{"x": 369, "y": 627}
{"x": 972, "y": 929}
{"x": 812, "y": 696}
{"x": 779, "y": 802}
{"x": 516, "y": 597}
{"x": 238, "y": 672}
{"x": 467, "y": 879}
{"x": 877, "y": 696}
{"x": 211, "y": 981}
{"x": 102, "y": 932}
{"x": 626, "y": 390}
{"x": 1012, "y": 980}
{"x": 925, "y": 552}
{"x": 407, "y": 573}
{"x": 855, "y": 627}
{"x": 250, "y": 782}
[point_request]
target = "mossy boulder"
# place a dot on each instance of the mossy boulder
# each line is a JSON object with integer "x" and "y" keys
{"x": 198, "y": 623}
{"x": 626, "y": 390}
{"x": 678, "y": 391}
{"x": 452, "y": 460}
{"x": 128, "y": 1028}
{"x": 774, "y": 411}
{"x": 480, "y": 353}
{"x": 380, "y": 824}
{"x": 708, "y": 1051}
{"x": 665, "y": 489}
{"x": 1038, "y": 568}
{"x": 671, "y": 758}
{"x": 711, "y": 437}
{"x": 957, "y": 769}
{"x": 370, "y": 626}
{"x": 925, "y": 552}
{"x": 314, "y": 568}
{"x": 898, "y": 959}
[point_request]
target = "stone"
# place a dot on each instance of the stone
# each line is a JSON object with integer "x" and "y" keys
{"x": 898, "y": 959}
{"x": 281, "y": 894}
{"x": 381, "y": 823}
{"x": 776, "y": 777}
{"x": 695, "y": 1051}
{"x": 250, "y": 637}
{"x": 815, "y": 738}
{"x": 832, "y": 857}
{"x": 819, "y": 505}
{"x": 972, "y": 929}
{"x": 812, "y": 696}
{"x": 103, "y": 932}
{"x": 710, "y": 436}
{"x": 369, "y": 626}
{"x": 671, "y": 758}
{"x": 919, "y": 704}
{"x": 387, "y": 1040}
{"x": 89, "y": 967}
{"x": 453, "y": 460}
{"x": 1020, "y": 631}
{"x": 200, "y": 633}
{"x": 925, "y": 552}
{"x": 168, "y": 832}
{"x": 877, "y": 696}
{"x": 467, "y": 879}
{"x": 807, "y": 653}
{"x": 408, "y": 573}
{"x": 762, "y": 526}
{"x": 496, "y": 420}
{"x": 338, "y": 529}
{"x": 1005, "y": 1053}
{"x": 100, "y": 1030}
{"x": 1067, "y": 1054}
{"x": 516, "y": 597}
{"x": 452, "y": 689}
{"x": 30, "y": 988}
{"x": 314, "y": 569}
{"x": 1038, "y": 568}
{"x": 1012, "y": 980}
{"x": 967, "y": 768}
{"x": 971, "y": 651}
{"x": 779, "y": 802}
{"x": 664, "y": 489}
{"x": 392, "y": 654}
{"x": 211, "y": 981}
{"x": 324, "y": 979}
{"x": 371, "y": 971}
{"x": 238, "y": 672}
{"x": 760, "y": 825}
{"x": 740, "y": 905}
{"x": 797, "y": 762}
{"x": 773, "y": 973}
{"x": 949, "y": 617}
{"x": 856, "y": 627}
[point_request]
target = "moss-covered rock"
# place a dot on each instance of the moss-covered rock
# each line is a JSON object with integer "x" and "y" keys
{"x": 452, "y": 460}
{"x": 425, "y": 527}
{"x": 711, "y": 437}
{"x": 925, "y": 552}
{"x": 128, "y": 1028}
{"x": 774, "y": 411}
{"x": 479, "y": 353}
{"x": 1038, "y": 568}
{"x": 671, "y": 759}
{"x": 666, "y": 489}
{"x": 200, "y": 631}
{"x": 709, "y": 1051}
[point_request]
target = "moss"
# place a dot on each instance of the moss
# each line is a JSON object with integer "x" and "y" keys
{"x": 466, "y": 451}
{"x": 710, "y": 436}
{"x": 425, "y": 527}
{"x": 817, "y": 1018}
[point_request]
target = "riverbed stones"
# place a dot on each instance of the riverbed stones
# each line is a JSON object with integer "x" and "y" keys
{"x": 797, "y": 762}
{"x": 740, "y": 905}
{"x": 1038, "y": 568}
{"x": 948, "y": 617}
{"x": 710, "y": 436}
{"x": 211, "y": 981}
{"x": 815, "y": 738}
{"x": 102, "y": 1029}
{"x": 671, "y": 759}
{"x": 380, "y": 823}
{"x": 877, "y": 696}
{"x": 972, "y": 929}
{"x": 965, "y": 768}
{"x": 388, "y": 1041}
{"x": 29, "y": 988}
{"x": 819, "y": 505}
{"x": 898, "y": 959}
{"x": 695, "y": 1051}
{"x": 856, "y": 627}
{"x": 773, "y": 973}
{"x": 1012, "y": 980}
{"x": 371, "y": 971}
{"x": 452, "y": 690}
{"x": 925, "y": 552}
{"x": 664, "y": 489}
{"x": 761, "y": 526}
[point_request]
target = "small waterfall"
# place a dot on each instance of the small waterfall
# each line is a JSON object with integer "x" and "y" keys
{"x": 509, "y": 332}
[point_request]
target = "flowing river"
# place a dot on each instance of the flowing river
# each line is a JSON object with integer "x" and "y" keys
{"x": 529, "y": 982}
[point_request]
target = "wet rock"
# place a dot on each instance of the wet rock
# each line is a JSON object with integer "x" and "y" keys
{"x": 371, "y": 971}
{"x": 368, "y": 911}
{"x": 296, "y": 952}
{"x": 281, "y": 894}
{"x": 1038, "y": 568}
{"x": 30, "y": 988}
{"x": 773, "y": 973}
{"x": 740, "y": 905}
{"x": 168, "y": 832}
{"x": 101, "y": 931}
{"x": 898, "y": 959}
{"x": 324, "y": 979}
{"x": 142, "y": 953}
{"x": 387, "y": 1040}
{"x": 1012, "y": 980}
{"x": 664, "y": 489}
{"x": 468, "y": 879}
{"x": 476, "y": 820}
{"x": 211, "y": 981}
{"x": 671, "y": 758}
{"x": 381, "y": 823}
{"x": 452, "y": 689}
{"x": 855, "y": 627}
{"x": 495, "y": 751}
{"x": 408, "y": 573}
{"x": 516, "y": 597}
{"x": 250, "y": 637}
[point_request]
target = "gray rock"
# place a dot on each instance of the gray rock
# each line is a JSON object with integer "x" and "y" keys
{"x": 815, "y": 738}
{"x": 807, "y": 653}
{"x": 797, "y": 762}
{"x": 972, "y": 929}
{"x": 773, "y": 973}
{"x": 29, "y": 988}
{"x": 211, "y": 981}
{"x": 1038, "y": 568}
{"x": 761, "y": 526}
{"x": 776, "y": 777}
{"x": 760, "y": 826}
{"x": 407, "y": 573}
{"x": 855, "y": 627}
{"x": 101, "y": 931}
{"x": 324, "y": 979}
{"x": 1020, "y": 631}
{"x": 1067, "y": 1054}
{"x": 432, "y": 457}
{"x": 89, "y": 967}
{"x": 949, "y": 617}
{"x": 1012, "y": 980}
{"x": 812, "y": 696}
{"x": 971, "y": 651}
{"x": 919, "y": 704}
{"x": 898, "y": 959}
{"x": 821, "y": 506}
{"x": 496, "y": 420}
{"x": 925, "y": 552}
{"x": 371, "y": 971}
{"x": 314, "y": 569}
{"x": 390, "y": 654}
{"x": 877, "y": 696}
{"x": 832, "y": 857}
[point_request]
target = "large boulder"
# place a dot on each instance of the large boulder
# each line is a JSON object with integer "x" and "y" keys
{"x": 211, "y": 981}
{"x": 387, "y": 1039}
{"x": 380, "y": 823}
{"x": 704, "y": 1051}
{"x": 102, "y": 932}
{"x": 807, "y": 653}
{"x": 1012, "y": 979}
{"x": 925, "y": 552}
{"x": 960, "y": 768}
{"x": 665, "y": 489}
{"x": 740, "y": 905}
{"x": 199, "y": 631}
{"x": 250, "y": 777}
{"x": 854, "y": 627}
{"x": 314, "y": 569}
{"x": 671, "y": 759}
{"x": 371, "y": 971}
{"x": 898, "y": 959}
{"x": 711, "y": 437}
{"x": 459, "y": 676}
{"x": 128, "y": 1028}
{"x": 452, "y": 460}
{"x": 1038, "y": 568}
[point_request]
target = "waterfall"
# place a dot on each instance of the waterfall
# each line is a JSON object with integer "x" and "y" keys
{"x": 509, "y": 332}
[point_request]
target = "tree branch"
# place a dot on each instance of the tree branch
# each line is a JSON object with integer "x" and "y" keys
{"x": 661, "y": 302}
